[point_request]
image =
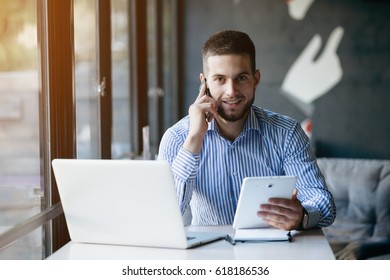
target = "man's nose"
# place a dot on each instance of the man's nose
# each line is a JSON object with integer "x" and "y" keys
{"x": 230, "y": 88}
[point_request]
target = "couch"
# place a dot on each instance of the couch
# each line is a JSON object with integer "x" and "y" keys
{"x": 361, "y": 189}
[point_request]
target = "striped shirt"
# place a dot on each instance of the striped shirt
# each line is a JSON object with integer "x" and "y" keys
{"x": 270, "y": 144}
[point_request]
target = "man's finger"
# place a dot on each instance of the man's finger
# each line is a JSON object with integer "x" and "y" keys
{"x": 201, "y": 90}
{"x": 295, "y": 194}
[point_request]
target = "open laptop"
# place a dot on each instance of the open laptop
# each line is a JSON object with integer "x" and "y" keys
{"x": 123, "y": 202}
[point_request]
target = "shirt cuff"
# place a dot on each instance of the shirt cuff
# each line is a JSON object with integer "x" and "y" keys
{"x": 314, "y": 215}
{"x": 185, "y": 165}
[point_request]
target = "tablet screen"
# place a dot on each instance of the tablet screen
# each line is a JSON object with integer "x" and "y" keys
{"x": 256, "y": 191}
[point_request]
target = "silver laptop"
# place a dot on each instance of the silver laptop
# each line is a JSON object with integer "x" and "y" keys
{"x": 123, "y": 202}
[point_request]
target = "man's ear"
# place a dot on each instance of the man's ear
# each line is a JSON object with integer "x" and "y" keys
{"x": 201, "y": 76}
{"x": 257, "y": 77}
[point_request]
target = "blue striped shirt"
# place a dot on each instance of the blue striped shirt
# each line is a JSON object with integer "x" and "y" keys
{"x": 270, "y": 144}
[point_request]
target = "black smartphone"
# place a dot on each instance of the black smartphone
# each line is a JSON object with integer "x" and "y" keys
{"x": 207, "y": 91}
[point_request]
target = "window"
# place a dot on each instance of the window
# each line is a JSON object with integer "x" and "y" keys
{"x": 120, "y": 48}
{"x": 86, "y": 80}
{"x": 163, "y": 64}
{"x": 21, "y": 194}
{"x": 82, "y": 91}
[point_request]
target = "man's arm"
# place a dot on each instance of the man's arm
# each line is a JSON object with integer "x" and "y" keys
{"x": 312, "y": 205}
{"x": 183, "y": 153}
{"x": 312, "y": 190}
{"x": 184, "y": 166}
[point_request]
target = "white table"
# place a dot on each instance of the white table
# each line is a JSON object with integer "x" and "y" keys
{"x": 310, "y": 245}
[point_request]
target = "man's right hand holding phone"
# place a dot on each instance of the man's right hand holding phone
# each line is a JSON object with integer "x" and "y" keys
{"x": 201, "y": 112}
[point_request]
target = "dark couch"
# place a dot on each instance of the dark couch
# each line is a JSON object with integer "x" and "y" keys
{"x": 361, "y": 189}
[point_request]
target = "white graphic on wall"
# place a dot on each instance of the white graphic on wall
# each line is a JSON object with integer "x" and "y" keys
{"x": 297, "y": 9}
{"x": 309, "y": 78}
{"x": 312, "y": 74}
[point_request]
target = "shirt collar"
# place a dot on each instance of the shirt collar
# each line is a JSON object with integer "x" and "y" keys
{"x": 252, "y": 122}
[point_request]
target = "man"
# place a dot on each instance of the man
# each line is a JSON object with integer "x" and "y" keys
{"x": 225, "y": 138}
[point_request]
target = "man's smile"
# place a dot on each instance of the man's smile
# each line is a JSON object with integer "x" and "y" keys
{"x": 235, "y": 101}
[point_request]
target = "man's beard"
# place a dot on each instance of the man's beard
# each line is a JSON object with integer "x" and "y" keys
{"x": 241, "y": 115}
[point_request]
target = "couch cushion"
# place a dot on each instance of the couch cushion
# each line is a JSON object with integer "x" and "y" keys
{"x": 361, "y": 189}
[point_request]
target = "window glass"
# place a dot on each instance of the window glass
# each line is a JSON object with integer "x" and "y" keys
{"x": 155, "y": 87}
{"x": 171, "y": 112}
{"x": 87, "y": 98}
{"x": 162, "y": 57}
{"x": 121, "y": 141}
{"x": 28, "y": 247}
{"x": 21, "y": 192}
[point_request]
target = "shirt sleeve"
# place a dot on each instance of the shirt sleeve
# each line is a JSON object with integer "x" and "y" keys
{"x": 184, "y": 166}
{"x": 313, "y": 193}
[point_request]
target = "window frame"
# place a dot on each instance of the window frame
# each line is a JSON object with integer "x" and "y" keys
{"x": 57, "y": 103}
{"x": 57, "y": 100}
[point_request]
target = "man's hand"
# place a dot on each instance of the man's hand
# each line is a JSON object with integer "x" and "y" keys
{"x": 282, "y": 213}
{"x": 203, "y": 105}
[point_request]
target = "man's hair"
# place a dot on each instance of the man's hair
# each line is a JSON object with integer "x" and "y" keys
{"x": 230, "y": 42}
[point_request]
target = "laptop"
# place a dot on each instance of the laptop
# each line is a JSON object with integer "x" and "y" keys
{"x": 123, "y": 202}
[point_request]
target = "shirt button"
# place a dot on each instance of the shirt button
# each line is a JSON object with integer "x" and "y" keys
{"x": 234, "y": 173}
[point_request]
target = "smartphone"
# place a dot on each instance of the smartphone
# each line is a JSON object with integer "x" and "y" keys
{"x": 207, "y": 91}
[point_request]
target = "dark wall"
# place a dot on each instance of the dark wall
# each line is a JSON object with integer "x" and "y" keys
{"x": 353, "y": 118}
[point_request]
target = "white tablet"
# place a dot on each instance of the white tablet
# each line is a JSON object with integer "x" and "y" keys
{"x": 256, "y": 191}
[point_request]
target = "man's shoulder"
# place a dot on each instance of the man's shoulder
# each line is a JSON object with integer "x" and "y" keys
{"x": 181, "y": 127}
{"x": 273, "y": 119}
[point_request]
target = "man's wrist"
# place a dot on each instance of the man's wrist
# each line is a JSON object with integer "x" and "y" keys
{"x": 310, "y": 217}
{"x": 304, "y": 224}
{"x": 185, "y": 164}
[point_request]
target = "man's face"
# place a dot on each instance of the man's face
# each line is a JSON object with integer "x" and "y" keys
{"x": 233, "y": 84}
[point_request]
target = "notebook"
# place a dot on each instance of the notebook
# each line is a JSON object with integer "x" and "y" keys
{"x": 123, "y": 202}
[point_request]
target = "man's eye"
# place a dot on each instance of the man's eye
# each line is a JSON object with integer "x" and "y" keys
{"x": 242, "y": 78}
